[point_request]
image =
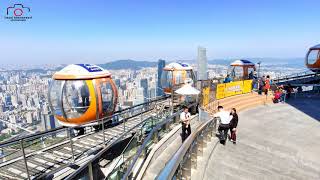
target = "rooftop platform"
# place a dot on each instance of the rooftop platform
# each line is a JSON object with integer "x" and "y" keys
{"x": 276, "y": 141}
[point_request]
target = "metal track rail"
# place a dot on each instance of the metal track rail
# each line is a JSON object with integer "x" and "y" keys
{"x": 296, "y": 77}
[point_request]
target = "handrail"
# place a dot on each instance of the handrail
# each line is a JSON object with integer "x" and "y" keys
{"x": 31, "y": 136}
{"x": 56, "y": 130}
{"x": 125, "y": 149}
{"x": 297, "y": 75}
{"x": 150, "y": 135}
{"x": 169, "y": 170}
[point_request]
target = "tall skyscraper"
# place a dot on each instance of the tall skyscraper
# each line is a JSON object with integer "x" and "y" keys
{"x": 144, "y": 85}
{"x": 161, "y": 65}
{"x": 202, "y": 64}
{"x": 8, "y": 100}
{"x": 117, "y": 82}
{"x": 52, "y": 121}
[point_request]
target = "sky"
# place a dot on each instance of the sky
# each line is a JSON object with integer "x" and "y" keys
{"x": 75, "y": 31}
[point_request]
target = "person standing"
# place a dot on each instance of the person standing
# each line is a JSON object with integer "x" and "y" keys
{"x": 224, "y": 124}
{"x": 227, "y": 79}
{"x": 185, "y": 122}
{"x": 74, "y": 97}
{"x": 251, "y": 75}
{"x": 261, "y": 83}
{"x": 233, "y": 125}
{"x": 267, "y": 85}
{"x": 85, "y": 96}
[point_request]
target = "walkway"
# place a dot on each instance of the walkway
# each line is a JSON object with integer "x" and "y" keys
{"x": 274, "y": 142}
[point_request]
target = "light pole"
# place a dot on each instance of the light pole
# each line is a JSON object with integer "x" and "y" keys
{"x": 259, "y": 63}
{"x": 258, "y": 76}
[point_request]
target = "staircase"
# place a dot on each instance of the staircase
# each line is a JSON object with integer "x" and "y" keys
{"x": 240, "y": 102}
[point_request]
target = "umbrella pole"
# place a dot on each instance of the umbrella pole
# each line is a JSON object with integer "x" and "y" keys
{"x": 172, "y": 94}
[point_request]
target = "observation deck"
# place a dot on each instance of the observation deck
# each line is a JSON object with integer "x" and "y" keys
{"x": 278, "y": 141}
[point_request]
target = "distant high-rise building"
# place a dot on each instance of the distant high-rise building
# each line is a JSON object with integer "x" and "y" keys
{"x": 29, "y": 117}
{"x": 52, "y": 121}
{"x": 14, "y": 100}
{"x": 8, "y": 100}
{"x": 2, "y": 107}
{"x": 139, "y": 98}
{"x": 202, "y": 64}
{"x": 161, "y": 65}
{"x": 117, "y": 81}
{"x": 1, "y": 128}
{"x": 144, "y": 85}
{"x": 152, "y": 93}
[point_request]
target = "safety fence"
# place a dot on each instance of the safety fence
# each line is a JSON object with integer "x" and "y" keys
{"x": 44, "y": 153}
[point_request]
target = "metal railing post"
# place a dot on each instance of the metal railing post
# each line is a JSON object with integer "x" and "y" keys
{"x": 285, "y": 96}
{"x": 141, "y": 114}
{"x": 155, "y": 136}
{"x": 90, "y": 171}
{"x": 124, "y": 125}
{"x": 24, "y": 158}
{"x": 71, "y": 144}
{"x": 104, "y": 136}
{"x": 43, "y": 143}
{"x": 167, "y": 127}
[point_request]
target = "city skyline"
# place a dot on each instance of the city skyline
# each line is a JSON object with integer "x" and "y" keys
{"x": 72, "y": 32}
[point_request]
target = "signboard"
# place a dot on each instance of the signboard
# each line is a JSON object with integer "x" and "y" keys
{"x": 205, "y": 96}
{"x": 307, "y": 88}
{"x": 90, "y": 67}
{"x": 233, "y": 88}
{"x": 220, "y": 91}
{"x": 247, "y": 86}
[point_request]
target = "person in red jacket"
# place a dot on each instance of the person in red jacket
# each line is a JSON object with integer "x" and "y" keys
{"x": 267, "y": 85}
{"x": 277, "y": 96}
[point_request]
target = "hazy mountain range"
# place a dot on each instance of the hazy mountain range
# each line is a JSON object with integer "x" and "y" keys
{"x": 136, "y": 65}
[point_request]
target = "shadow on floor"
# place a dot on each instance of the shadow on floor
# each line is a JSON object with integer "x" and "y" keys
{"x": 310, "y": 105}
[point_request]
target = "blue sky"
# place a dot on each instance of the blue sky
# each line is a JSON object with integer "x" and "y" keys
{"x": 98, "y": 31}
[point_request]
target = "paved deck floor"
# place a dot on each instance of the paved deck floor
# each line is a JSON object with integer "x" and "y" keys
{"x": 274, "y": 142}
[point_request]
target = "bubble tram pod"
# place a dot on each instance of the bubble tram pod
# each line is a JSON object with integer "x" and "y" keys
{"x": 313, "y": 59}
{"x": 239, "y": 69}
{"x": 81, "y": 94}
{"x": 174, "y": 75}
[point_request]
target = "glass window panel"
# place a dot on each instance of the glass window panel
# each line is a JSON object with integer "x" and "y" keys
{"x": 313, "y": 56}
{"x": 107, "y": 96}
{"x": 54, "y": 95}
{"x": 76, "y": 98}
{"x": 166, "y": 79}
{"x": 178, "y": 77}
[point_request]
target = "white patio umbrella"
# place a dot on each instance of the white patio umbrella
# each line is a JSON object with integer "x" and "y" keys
{"x": 187, "y": 89}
